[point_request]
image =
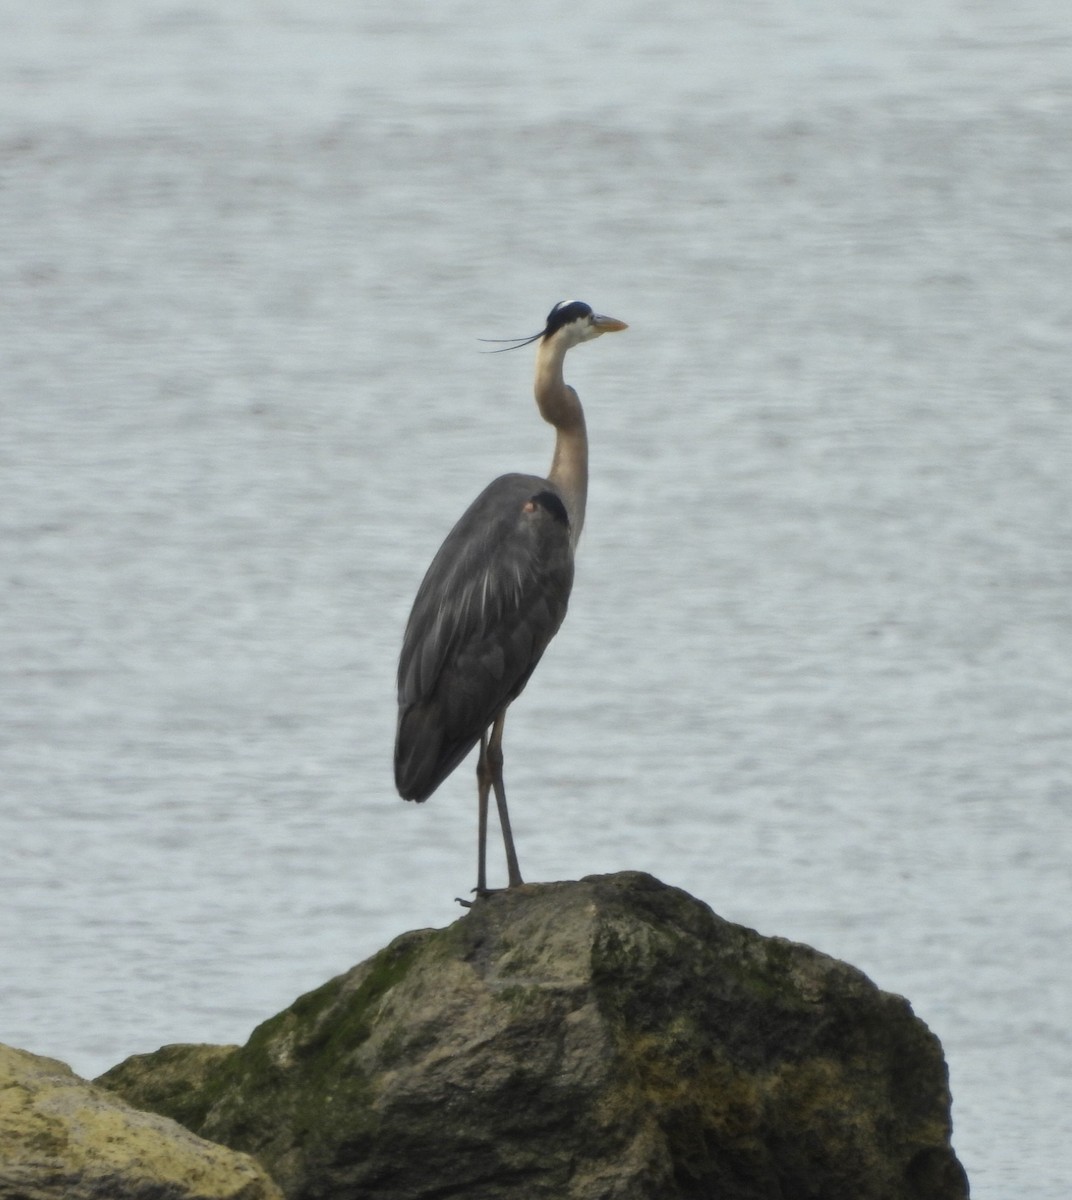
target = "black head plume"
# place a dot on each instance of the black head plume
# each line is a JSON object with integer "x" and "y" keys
{"x": 563, "y": 313}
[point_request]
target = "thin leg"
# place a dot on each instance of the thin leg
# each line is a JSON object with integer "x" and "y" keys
{"x": 483, "y": 786}
{"x": 495, "y": 765}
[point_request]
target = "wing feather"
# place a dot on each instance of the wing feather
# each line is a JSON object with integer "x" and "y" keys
{"x": 493, "y": 597}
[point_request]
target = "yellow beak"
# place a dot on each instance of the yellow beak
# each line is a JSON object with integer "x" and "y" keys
{"x": 607, "y": 324}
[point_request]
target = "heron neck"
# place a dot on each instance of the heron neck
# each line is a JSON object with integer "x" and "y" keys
{"x": 560, "y": 406}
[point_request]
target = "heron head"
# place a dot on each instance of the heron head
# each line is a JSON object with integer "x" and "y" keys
{"x": 575, "y": 320}
{"x": 571, "y": 320}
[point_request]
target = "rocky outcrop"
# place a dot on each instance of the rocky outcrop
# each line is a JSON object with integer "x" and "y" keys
{"x": 61, "y": 1138}
{"x": 611, "y": 1039}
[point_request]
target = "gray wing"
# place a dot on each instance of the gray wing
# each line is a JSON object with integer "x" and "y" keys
{"x": 492, "y": 599}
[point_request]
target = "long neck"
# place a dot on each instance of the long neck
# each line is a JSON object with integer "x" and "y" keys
{"x": 559, "y": 405}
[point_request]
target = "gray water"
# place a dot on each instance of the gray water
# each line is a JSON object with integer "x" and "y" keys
{"x": 818, "y": 665}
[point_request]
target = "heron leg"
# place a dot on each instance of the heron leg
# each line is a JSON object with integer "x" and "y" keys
{"x": 483, "y": 786}
{"x": 495, "y": 765}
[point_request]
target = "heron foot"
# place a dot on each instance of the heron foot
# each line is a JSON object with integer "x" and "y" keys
{"x": 481, "y": 894}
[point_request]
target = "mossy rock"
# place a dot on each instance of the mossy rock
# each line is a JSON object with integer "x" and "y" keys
{"x": 611, "y": 1038}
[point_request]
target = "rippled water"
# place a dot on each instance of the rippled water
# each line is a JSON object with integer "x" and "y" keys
{"x": 818, "y": 665}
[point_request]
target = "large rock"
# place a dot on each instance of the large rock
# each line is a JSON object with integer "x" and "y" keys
{"x": 611, "y": 1039}
{"x": 61, "y": 1138}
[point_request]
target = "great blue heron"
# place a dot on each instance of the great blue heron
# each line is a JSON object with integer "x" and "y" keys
{"x": 493, "y": 598}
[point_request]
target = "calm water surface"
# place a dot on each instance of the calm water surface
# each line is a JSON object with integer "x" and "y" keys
{"x": 818, "y": 666}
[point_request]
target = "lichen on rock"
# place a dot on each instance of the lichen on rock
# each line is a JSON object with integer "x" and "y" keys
{"x": 61, "y": 1138}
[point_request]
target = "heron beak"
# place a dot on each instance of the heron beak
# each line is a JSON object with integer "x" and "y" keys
{"x": 607, "y": 324}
